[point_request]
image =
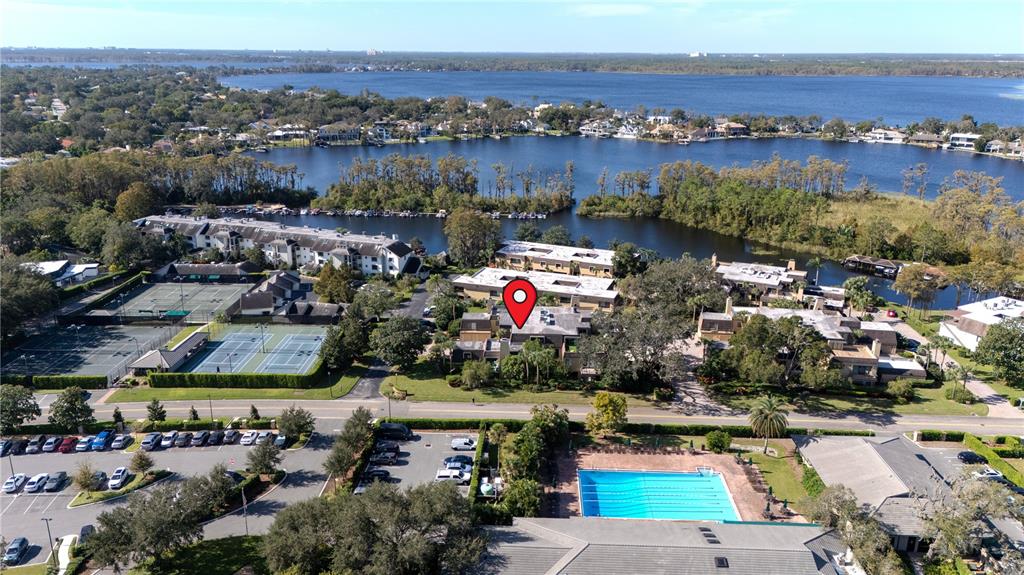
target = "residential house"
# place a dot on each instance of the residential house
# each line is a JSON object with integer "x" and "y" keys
{"x": 585, "y": 292}
{"x": 493, "y": 336}
{"x": 995, "y": 146}
{"x": 62, "y": 272}
{"x": 962, "y": 141}
{"x": 597, "y": 129}
{"x": 291, "y": 246}
{"x": 725, "y": 129}
{"x": 58, "y": 108}
{"x": 288, "y": 132}
{"x": 760, "y": 282}
{"x": 925, "y": 139}
{"x": 338, "y": 133}
{"x": 164, "y": 146}
{"x": 884, "y": 136}
{"x": 877, "y": 266}
{"x": 586, "y": 545}
{"x": 279, "y": 289}
{"x": 967, "y": 324}
{"x": 520, "y": 255}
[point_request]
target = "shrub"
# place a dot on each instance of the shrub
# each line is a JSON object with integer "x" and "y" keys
{"x": 663, "y": 394}
{"x": 718, "y": 441}
{"x": 66, "y": 381}
{"x": 238, "y": 380}
{"x": 902, "y": 390}
{"x": 959, "y": 395}
{"x": 812, "y": 482}
{"x": 994, "y": 460}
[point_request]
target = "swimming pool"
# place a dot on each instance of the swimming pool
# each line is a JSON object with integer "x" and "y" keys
{"x": 655, "y": 495}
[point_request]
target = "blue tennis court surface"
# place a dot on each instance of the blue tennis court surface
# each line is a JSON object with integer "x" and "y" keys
{"x": 249, "y": 349}
{"x": 655, "y": 495}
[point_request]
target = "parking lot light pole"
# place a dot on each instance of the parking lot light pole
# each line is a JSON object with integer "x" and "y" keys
{"x": 49, "y": 535}
{"x": 245, "y": 512}
{"x": 10, "y": 460}
{"x": 209, "y": 398}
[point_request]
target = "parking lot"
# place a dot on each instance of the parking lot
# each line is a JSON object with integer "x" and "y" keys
{"x": 21, "y": 513}
{"x": 421, "y": 457}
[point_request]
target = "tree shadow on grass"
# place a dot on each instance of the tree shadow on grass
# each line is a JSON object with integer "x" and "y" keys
{"x": 214, "y": 557}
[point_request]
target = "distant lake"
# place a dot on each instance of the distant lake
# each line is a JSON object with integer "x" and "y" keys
{"x": 897, "y": 100}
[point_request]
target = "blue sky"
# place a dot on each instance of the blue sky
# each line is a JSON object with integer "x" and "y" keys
{"x": 672, "y": 26}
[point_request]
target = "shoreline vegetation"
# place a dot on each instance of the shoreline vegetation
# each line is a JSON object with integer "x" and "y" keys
{"x": 693, "y": 63}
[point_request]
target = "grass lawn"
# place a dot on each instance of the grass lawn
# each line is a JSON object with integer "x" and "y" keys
{"x": 34, "y": 569}
{"x": 343, "y": 385}
{"x": 211, "y": 557}
{"x": 423, "y": 384}
{"x": 138, "y": 482}
{"x": 1017, "y": 464}
{"x": 928, "y": 402}
{"x": 912, "y": 211}
{"x": 182, "y": 335}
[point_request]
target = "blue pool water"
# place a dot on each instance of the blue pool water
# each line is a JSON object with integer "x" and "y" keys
{"x": 655, "y": 495}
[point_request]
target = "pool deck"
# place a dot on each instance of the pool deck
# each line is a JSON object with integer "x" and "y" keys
{"x": 749, "y": 503}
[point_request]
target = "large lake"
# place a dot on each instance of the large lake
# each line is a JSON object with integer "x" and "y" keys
{"x": 897, "y": 100}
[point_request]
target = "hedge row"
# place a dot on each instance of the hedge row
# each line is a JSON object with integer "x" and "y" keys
{"x": 513, "y": 425}
{"x": 994, "y": 461}
{"x": 474, "y": 480}
{"x": 56, "y": 381}
{"x": 1009, "y": 452}
{"x": 50, "y": 429}
{"x": 242, "y": 380}
{"x": 127, "y": 286}
{"x": 178, "y": 425}
{"x": 79, "y": 288}
{"x": 936, "y": 435}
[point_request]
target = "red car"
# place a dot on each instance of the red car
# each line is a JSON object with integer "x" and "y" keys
{"x": 68, "y": 445}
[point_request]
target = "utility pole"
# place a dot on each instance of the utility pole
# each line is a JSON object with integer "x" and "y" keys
{"x": 209, "y": 398}
{"x": 245, "y": 513}
{"x": 49, "y": 535}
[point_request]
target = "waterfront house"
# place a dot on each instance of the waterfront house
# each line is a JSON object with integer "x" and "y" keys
{"x": 727, "y": 129}
{"x": 338, "y": 133}
{"x": 493, "y": 336}
{"x": 925, "y": 139}
{"x": 291, "y": 246}
{"x": 995, "y": 146}
{"x": 597, "y": 129}
{"x": 876, "y": 266}
{"x": 760, "y": 281}
{"x": 967, "y": 324}
{"x": 962, "y": 141}
{"x": 520, "y": 255}
{"x": 584, "y": 292}
{"x": 884, "y": 136}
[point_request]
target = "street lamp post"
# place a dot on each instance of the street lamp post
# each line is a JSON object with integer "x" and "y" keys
{"x": 53, "y": 554}
{"x": 209, "y": 398}
{"x": 10, "y": 461}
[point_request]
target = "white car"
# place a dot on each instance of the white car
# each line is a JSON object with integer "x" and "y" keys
{"x": 459, "y": 466}
{"x": 37, "y": 482}
{"x": 463, "y": 444}
{"x": 14, "y": 483}
{"x": 264, "y": 437}
{"x": 454, "y": 475}
{"x": 248, "y": 437}
{"x": 167, "y": 441}
{"x": 119, "y": 478}
{"x": 988, "y": 473}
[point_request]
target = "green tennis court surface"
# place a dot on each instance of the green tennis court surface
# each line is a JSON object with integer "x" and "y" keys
{"x": 194, "y": 301}
{"x": 248, "y": 348}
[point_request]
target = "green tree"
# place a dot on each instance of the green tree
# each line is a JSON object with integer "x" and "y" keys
{"x": 193, "y": 415}
{"x": 264, "y": 458}
{"x": 254, "y": 414}
{"x": 585, "y": 242}
{"x": 295, "y": 422}
{"x": 399, "y": 341}
{"x": 117, "y": 417}
{"x": 141, "y": 462}
{"x": 917, "y": 283}
{"x": 609, "y": 413}
{"x": 335, "y": 285}
{"x": 124, "y": 246}
{"x": 24, "y": 294}
{"x": 768, "y": 419}
{"x": 835, "y": 128}
{"x": 256, "y": 256}
{"x": 956, "y": 523}
{"x": 472, "y": 236}
{"x": 206, "y": 210}
{"x": 82, "y": 477}
{"x": 372, "y": 300}
{"x": 448, "y": 307}
{"x": 155, "y": 411}
{"x": 1003, "y": 347}
{"x": 476, "y": 374}
{"x": 17, "y": 406}
{"x": 138, "y": 201}
{"x": 527, "y": 232}
{"x": 627, "y": 261}
{"x": 858, "y": 293}
{"x": 69, "y": 411}
{"x": 522, "y": 498}
{"x": 557, "y": 235}
{"x": 718, "y": 441}
{"x": 902, "y": 390}
{"x": 87, "y": 229}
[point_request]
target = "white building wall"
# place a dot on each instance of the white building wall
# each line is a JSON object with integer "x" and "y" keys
{"x": 959, "y": 337}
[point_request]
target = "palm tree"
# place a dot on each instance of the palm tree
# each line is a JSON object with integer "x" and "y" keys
{"x": 816, "y": 262}
{"x": 943, "y": 344}
{"x": 768, "y": 419}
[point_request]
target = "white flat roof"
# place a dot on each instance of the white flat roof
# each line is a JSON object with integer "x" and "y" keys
{"x": 994, "y": 310}
{"x": 46, "y": 268}
{"x": 758, "y": 273}
{"x": 556, "y": 252}
{"x": 496, "y": 278}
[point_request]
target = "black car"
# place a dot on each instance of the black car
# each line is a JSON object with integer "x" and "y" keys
{"x": 85, "y": 533}
{"x": 99, "y": 481}
{"x": 231, "y": 436}
{"x": 383, "y": 458}
{"x": 5, "y": 447}
{"x": 971, "y": 458}
{"x": 386, "y": 447}
{"x": 458, "y": 459}
{"x": 199, "y": 439}
{"x": 395, "y": 431}
{"x": 18, "y": 446}
{"x": 216, "y": 437}
{"x": 234, "y": 476}
{"x": 376, "y": 474}
{"x": 56, "y": 481}
{"x": 183, "y": 439}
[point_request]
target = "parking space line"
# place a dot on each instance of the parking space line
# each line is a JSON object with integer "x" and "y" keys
{"x": 13, "y": 500}
{"x": 52, "y": 501}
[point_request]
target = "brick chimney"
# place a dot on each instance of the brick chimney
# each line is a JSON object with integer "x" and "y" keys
{"x": 791, "y": 265}
{"x": 728, "y": 305}
{"x": 876, "y": 348}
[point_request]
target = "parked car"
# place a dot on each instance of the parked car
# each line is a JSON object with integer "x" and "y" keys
{"x": 199, "y": 439}
{"x": 37, "y": 482}
{"x": 454, "y": 475}
{"x": 183, "y": 440}
{"x": 988, "y": 473}
{"x": 167, "y": 441}
{"x": 119, "y": 479}
{"x": 377, "y": 474}
{"x": 280, "y": 441}
{"x": 151, "y": 441}
{"x": 383, "y": 458}
{"x": 216, "y": 438}
{"x": 121, "y": 441}
{"x": 234, "y": 476}
{"x": 85, "y": 533}
{"x": 69, "y": 445}
{"x": 18, "y": 446}
{"x": 387, "y": 447}
{"x": 99, "y": 481}
{"x": 459, "y": 466}
{"x": 971, "y": 458}
{"x": 231, "y": 436}
{"x": 5, "y": 447}
{"x": 398, "y": 431}
{"x": 890, "y": 313}
{"x": 263, "y": 437}
{"x": 52, "y": 443}
{"x": 464, "y": 444}
{"x": 56, "y": 482}
{"x": 35, "y": 444}
{"x": 14, "y": 483}
{"x": 463, "y": 459}
{"x": 249, "y": 437}
{"x": 15, "y": 551}
{"x": 102, "y": 441}
{"x": 85, "y": 443}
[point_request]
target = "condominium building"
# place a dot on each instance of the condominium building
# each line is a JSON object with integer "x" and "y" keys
{"x": 520, "y": 255}
{"x": 585, "y": 292}
{"x": 493, "y": 336}
{"x": 760, "y": 281}
{"x": 292, "y": 246}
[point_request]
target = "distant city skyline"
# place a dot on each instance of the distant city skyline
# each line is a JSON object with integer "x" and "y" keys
{"x": 641, "y": 26}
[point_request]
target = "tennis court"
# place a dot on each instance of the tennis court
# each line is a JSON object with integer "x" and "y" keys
{"x": 202, "y": 301}
{"x": 85, "y": 350}
{"x": 260, "y": 349}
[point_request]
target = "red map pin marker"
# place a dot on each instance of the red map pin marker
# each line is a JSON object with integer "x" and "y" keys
{"x": 519, "y": 297}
